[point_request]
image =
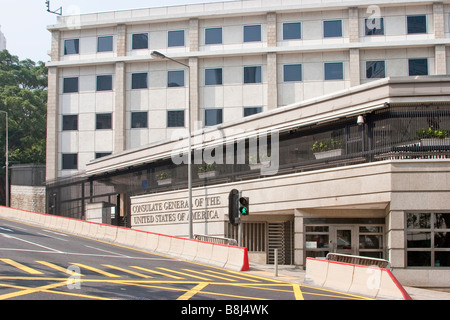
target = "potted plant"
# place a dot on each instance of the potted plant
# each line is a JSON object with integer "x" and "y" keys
{"x": 207, "y": 170}
{"x": 327, "y": 148}
{"x": 254, "y": 164}
{"x": 433, "y": 137}
{"x": 164, "y": 178}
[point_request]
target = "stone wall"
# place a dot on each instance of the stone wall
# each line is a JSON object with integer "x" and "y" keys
{"x": 28, "y": 198}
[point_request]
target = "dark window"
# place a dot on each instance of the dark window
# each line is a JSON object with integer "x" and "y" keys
{"x": 105, "y": 44}
{"x": 334, "y": 71}
{"x": 252, "y": 33}
{"x": 99, "y": 155}
{"x": 417, "y": 24}
{"x": 139, "y": 81}
{"x": 104, "y": 83}
{"x": 375, "y": 69}
{"x": 213, "y": 36}
{"x": 418, "y": 67}
{"x": 292, "y": 72}
{"x": 292, "y": 30}
{"x": 213, "y": 117}
{"x": 213, "y": 77}
{"x": 175, "y": 38}
{"x": 72, "y": 46}
{"x": 70, "y": 161}
{"x": 252, "y": 74}
{"x": 332, "y": 28}
{"x": 70, "y": 122}
{"x": 175, "y": 119}
{"x": 248, "y": 111}
{"x": 374, "y": 27}
{"x": 140, "y": 41}
{"x": 139, "y": 120}
{"x": 175, "y": 78}
{"x": 70, "y": 85}
{"x": 103, "y": 121}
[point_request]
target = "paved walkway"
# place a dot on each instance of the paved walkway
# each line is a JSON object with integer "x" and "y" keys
{"x": 296, "y": 275}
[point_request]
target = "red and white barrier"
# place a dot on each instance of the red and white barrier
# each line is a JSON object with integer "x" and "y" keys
{"x": 369, "y": 281}
{"x": 228, "y": 257}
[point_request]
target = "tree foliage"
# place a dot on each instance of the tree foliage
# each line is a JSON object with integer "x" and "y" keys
{"x": 23, "y": 95}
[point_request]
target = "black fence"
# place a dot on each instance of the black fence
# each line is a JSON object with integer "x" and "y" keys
{"x": 395, "y": 132}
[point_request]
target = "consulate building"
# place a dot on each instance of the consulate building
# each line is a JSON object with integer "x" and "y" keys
{"x": 332, "y": 117}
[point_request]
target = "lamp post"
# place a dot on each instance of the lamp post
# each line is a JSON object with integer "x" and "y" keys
{"x": 159, "y": 55}
{"x": 7, "y": 159}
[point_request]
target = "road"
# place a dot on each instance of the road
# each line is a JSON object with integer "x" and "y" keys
{"x": 41, "y": 264}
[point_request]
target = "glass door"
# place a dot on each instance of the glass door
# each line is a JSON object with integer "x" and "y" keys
{"x": 344, "y": 239}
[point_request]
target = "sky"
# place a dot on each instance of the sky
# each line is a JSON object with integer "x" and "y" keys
{"x": 24, "y": 22}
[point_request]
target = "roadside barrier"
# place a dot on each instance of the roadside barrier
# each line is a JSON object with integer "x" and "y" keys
{"x": 369, "y": 281}
{"x": 215, "y": 254}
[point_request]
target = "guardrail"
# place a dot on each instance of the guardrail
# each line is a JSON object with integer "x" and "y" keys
{"x": 218, "y": 240}
{"x": 359, "y": 260}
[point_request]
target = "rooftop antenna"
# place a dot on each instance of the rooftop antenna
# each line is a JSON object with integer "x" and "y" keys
{"x": 58, "y": 11}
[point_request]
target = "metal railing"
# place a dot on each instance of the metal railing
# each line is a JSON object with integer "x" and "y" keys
{"x": 359, "y": 260}
{"x": 218, "y": 240}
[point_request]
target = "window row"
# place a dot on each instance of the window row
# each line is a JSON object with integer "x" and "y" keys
{"x": 416, "y": 24}
{"x": 139, "y": 119}
{"x": 253, "y": 74}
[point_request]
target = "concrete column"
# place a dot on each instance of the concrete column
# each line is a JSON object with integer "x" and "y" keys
{"x": 120, "y": 139}
{"x": 56, "y": 46}
{"x": 52, "y": 124}
{"x": 271, "y": 29}
{"x": 353, "y": 25}
{"x": 439, "y": 20}
{"x": 355, "y": 74}
{"x": 272, "y": 81}
{"x": 121, "y": 40}
{"x": 440, "y": 59}
{"x": 193, "y": 35}
{"x": 395, "y": 239}
{"x": 194, "y": 92}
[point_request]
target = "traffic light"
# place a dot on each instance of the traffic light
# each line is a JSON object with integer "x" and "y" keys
{"x": 243, "y": 206}
{"x": 233, "y": 207}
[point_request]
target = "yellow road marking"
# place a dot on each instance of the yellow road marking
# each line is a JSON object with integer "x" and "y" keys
{"x": 184, "y": 274}
{"x": 233, "y": 276}
{"x": 58, "y": 268}
{"x": 193, "y": 291}
{"x": 256, "y": 277}
{"x": 210, "y": 275}
{"x": 128, "y": 271}
{"x": 158, "y": 272}
{"x": 110, "y": 275}
{"x": 32, "y": 290}
{"x": 21, "y": 266}
{"x": 298, "y": 292}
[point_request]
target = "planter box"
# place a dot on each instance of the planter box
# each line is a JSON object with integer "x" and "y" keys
{"x": 435, "y": 142}
{"x": 164, "y": 182}
{"x": 329, "y": 153}
{"x": 208, "y": 174}
{"x": 255, "y": 166}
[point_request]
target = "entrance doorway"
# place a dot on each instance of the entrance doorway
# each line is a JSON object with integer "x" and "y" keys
{"x": 362, "y": 237}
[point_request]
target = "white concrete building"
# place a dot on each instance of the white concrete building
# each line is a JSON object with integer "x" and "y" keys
{"x": 368, "y": 78}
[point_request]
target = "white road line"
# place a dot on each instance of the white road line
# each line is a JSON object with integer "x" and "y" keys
{"x": 118, "y": 254}
{"x": 54, "y": 232}
{"x": 53, "y": 237}
{"x": 6, "y": 229}
{"x": 32, "y": 243}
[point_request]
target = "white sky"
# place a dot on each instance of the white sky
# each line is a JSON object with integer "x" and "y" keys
{"x": 24, "y": 22}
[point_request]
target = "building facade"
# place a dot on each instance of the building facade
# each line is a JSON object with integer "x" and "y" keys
{"x": 294, "y": 76}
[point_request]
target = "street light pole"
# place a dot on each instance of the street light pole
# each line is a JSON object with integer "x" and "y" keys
{"x": 7, "y": 159}
{"x": 159, "y": 55}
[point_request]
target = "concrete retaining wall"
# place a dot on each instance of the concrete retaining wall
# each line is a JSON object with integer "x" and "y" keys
{"x": 228, "y": 257}
{"x": 367, "y": 281}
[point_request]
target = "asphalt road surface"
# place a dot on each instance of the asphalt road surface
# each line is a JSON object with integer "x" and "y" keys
{"x": 41, "y": 264}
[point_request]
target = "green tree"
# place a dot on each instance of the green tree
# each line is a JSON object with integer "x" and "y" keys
{"x": 23, "y": 95}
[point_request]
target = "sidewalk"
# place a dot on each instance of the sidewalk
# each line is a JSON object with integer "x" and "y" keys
{"x": 296, "y": 275}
